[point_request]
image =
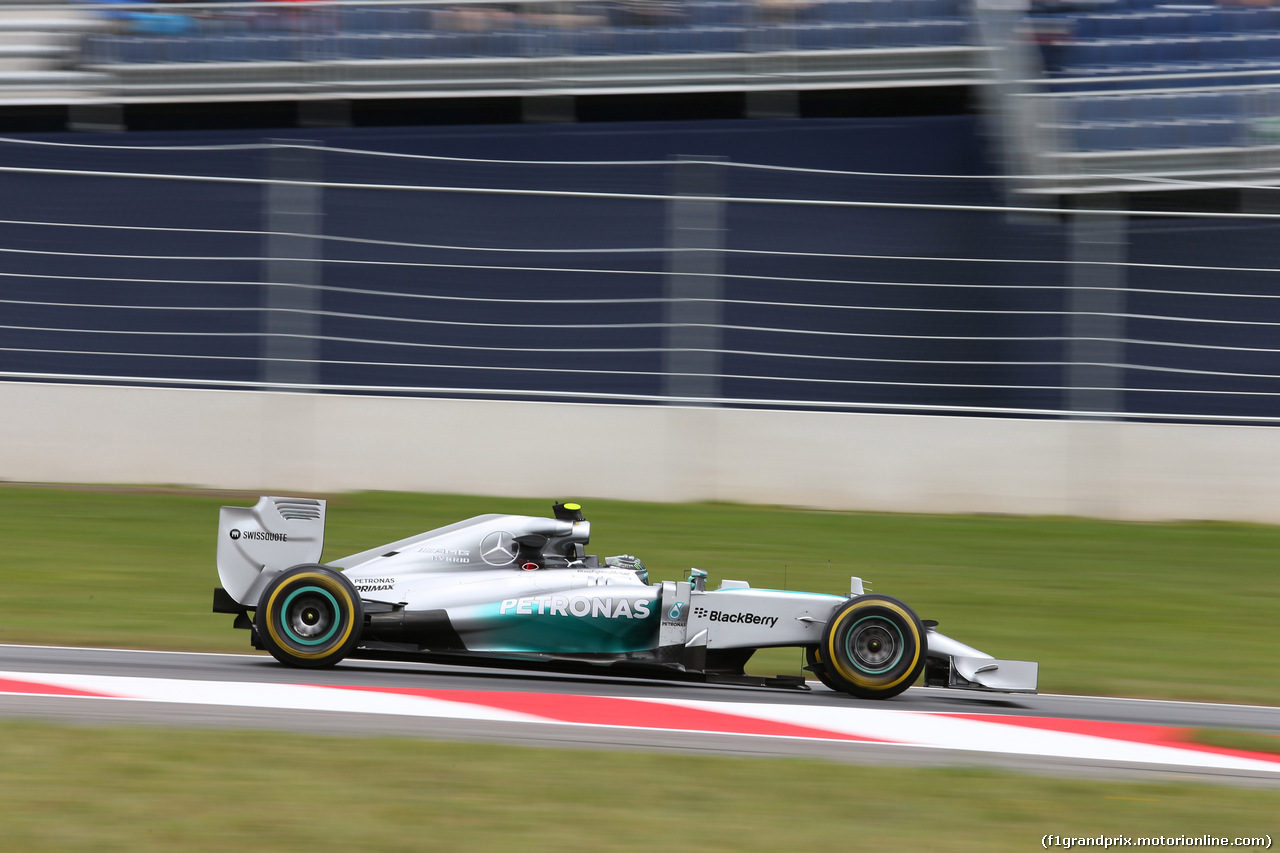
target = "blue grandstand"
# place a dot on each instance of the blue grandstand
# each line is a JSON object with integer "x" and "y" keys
{"x": 1076, "y": 88}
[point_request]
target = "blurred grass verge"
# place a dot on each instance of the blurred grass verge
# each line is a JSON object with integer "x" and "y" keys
{"x": 1230, "y": 739}
{"x": 1177, "y": 611}
{"x": 140, "y": 790}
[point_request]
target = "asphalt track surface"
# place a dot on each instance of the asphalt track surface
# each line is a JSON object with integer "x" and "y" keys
{"x": 394, "y": 675}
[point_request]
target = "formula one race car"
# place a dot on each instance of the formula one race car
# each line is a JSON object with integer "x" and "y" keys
{"x": 516, "y": 590}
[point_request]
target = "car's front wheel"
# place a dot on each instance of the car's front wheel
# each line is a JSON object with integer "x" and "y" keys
{"x": 309, "y": 616}
{"x": 874, "y": 647}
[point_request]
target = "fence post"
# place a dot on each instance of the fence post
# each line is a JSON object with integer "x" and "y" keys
{"x": 1095, "y": 301}
{"x": 695, "y": 227}
{"x": 291, "y": 297}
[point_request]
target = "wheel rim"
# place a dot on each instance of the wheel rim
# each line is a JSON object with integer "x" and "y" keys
{"x": 310, "y": 616}
{"x": 874, "y": 645}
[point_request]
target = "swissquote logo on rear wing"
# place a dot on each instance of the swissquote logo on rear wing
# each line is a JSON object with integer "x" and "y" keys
{"x": 258, "y": 535}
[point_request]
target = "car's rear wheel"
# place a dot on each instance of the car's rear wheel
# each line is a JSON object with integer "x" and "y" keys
{"x": 874, "y": 647}
{"x": 309, "y": 616}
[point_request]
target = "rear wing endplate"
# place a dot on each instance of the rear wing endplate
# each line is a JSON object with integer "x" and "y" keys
{"x": 257, "y": 542}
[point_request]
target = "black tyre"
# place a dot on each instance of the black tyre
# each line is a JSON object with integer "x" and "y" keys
{"x": 874, "y": 647}
{"x": 309, "y": 616}
{"x": 814, "y": 663}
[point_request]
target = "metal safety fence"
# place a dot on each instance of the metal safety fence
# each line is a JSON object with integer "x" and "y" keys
{"x": 699, "y": 281}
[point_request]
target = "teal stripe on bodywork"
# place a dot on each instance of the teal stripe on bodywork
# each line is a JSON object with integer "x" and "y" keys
{"x": 485, "y": 628}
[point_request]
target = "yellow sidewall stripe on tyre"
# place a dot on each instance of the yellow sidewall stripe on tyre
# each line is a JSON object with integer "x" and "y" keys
{"x": 857, "y": 677}
{"x": 326, "y": 583}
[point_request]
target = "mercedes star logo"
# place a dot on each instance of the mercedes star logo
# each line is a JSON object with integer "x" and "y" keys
{"x": 499, "y": 548}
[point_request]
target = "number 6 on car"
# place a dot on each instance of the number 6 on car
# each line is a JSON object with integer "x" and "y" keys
{"x": 514, "y": 590}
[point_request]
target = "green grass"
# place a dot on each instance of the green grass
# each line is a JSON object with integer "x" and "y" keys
{"x": 1182, "y": 611}
{"x": 1170, "y": 610}
{"x": 1230, "y": 739}
{"x": 71, "y": 788}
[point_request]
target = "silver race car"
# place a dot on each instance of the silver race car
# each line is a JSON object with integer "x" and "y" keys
{"x": 516, "y": 590}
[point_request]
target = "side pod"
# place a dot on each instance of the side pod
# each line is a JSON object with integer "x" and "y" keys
{"x": 257, "y": 542}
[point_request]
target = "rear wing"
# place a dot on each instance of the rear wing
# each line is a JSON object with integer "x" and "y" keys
{"x": 257, "y": 542}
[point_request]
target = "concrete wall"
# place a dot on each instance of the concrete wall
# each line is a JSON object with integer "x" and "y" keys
{"x": 321, "y": 443}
